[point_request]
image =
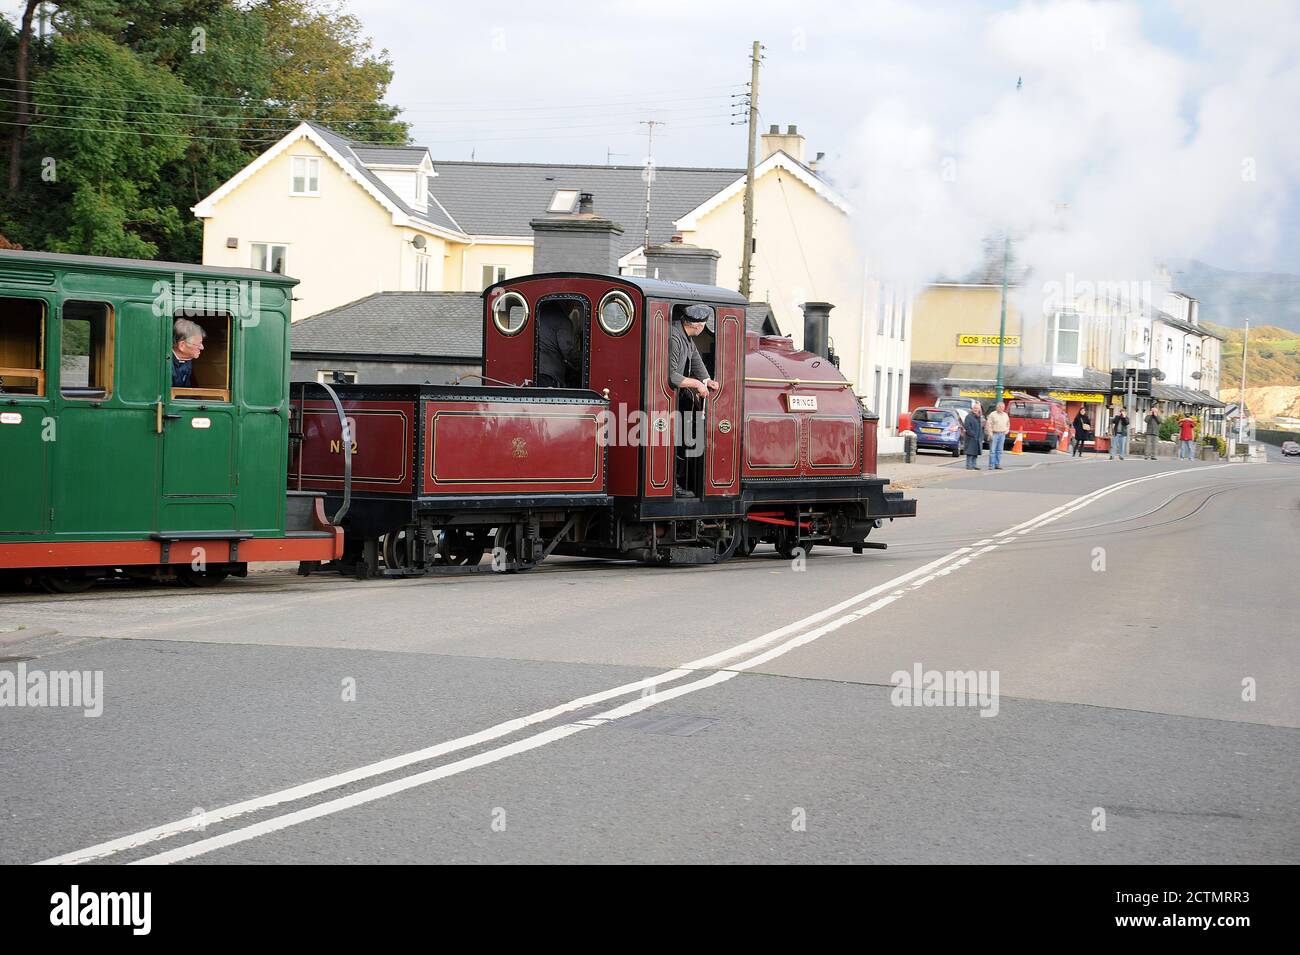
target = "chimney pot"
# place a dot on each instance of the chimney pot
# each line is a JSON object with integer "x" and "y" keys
{"x": 791, "y": 130}
{"x": 586, "y": 204}
{"x": 774, "y": 129}
{"x": 677, "y": 237}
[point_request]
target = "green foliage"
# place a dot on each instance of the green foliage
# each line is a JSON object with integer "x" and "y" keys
{"x": 1274, "y": 357}
{"x": 1169, "y": 428}
{"x": 144, "y": 107}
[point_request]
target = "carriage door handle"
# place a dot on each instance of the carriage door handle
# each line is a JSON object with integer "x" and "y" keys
{"x": 160, "y": 417}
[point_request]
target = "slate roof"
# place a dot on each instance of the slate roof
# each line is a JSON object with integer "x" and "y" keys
{"x": 1166, "y": 319}
{"x": 500, "y": 198}
{"x": 352, "y": 152}
{"x": 390, "y": 155}
{"x": 397, "y": 325}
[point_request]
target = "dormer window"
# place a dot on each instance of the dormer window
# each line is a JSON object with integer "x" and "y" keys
{"x": 564, "y": 200}
{"x": 306, "y": 176}
{"x": 420, "y": 190}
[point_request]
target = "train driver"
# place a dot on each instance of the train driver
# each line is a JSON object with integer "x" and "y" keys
{"x": 684, "y": 357}
{"x": 559, "y": 351}
{"x": 187, "y": 345}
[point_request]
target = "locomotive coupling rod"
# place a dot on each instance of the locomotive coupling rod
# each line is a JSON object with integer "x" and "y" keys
{"x": 345, "y": 433}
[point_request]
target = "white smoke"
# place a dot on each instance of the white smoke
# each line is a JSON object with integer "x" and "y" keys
{"x": 1116, "y": 155}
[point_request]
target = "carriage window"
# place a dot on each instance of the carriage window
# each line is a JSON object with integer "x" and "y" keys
{"x": 86, "y": 350}
{"x": 22, "y": 346}
{"x": 209, "y": 375}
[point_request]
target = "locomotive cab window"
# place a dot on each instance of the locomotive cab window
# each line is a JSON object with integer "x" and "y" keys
{"x": 22, "y": 346}
{"x": 704, "y": 341}
{"x": 200, "y": 357}
{"x": 86, "y": 350}
{"x": 561, "y": 358}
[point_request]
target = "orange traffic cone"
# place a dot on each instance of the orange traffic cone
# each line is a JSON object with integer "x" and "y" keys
{"x": 1019, "y": 446}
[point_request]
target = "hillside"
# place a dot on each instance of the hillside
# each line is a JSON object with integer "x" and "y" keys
{"x": 1274, "y": 357}
{"x": 1229, "y": 298}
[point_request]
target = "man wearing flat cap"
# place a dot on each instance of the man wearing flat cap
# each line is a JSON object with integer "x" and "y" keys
{"x": 685, "y": 366}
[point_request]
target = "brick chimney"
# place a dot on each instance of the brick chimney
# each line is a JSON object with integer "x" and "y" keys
{"x": 791, "y": 141}
{"x": 680, "y": 262}
{"x": 581, "y": 241}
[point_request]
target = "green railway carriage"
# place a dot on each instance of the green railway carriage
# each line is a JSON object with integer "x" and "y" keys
{"x": 104, "y": 465}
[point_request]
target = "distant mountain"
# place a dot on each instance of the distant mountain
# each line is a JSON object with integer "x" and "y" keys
{"x": 1229, "y": 298}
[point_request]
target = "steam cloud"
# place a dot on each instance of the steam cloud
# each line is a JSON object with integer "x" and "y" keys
{"x": 1116, "y": 155}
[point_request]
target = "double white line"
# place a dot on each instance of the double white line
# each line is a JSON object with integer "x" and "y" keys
{"x": 762, "y": 649}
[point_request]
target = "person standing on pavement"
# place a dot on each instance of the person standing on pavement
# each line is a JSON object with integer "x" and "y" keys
{"x": 1153, "y": 433}
{"x": 1082, "y": 428}
{"x": 1186, "y": 437}
{"x": 973, "y": 437}
{"x": 1119, "y": 434}
{"x": 999, "y": 423}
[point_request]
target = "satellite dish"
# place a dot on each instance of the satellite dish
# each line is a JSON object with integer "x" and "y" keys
{"x": 419, "y": 242}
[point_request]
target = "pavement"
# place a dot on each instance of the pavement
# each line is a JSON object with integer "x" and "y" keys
{"x": 1134, "y": 615}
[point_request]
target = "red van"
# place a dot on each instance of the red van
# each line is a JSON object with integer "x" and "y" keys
{"x": 1042, "y": 421}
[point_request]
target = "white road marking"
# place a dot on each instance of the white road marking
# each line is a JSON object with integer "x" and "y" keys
{"x": 916, "y": 578}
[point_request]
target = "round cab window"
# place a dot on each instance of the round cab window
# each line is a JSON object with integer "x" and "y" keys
{"x": 510, "y": 313}
{"x": 615, "y": 313}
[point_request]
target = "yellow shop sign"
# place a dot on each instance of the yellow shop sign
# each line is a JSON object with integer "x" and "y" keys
{"x": 1086, "y": 397}
{"x": 1010, "y": 341}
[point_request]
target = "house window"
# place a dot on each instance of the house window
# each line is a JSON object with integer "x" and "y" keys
{"x": 875, "y": 403}
{"x": 889, "y": 399}
{"x": 269, "y": 257}
{"x": 22, "y": 346}
{"x": 493, "y": 274}
{"x": 422, "y": 272}
{"x": 306, "y": 176}
{"x": 330, "y": 376}
{"x": 1063, "y": 339}
{"x": 898, "y": 403}
{"x": 419, "y": 189}
{"x": 86, "y": 350}
{"x": 880, "y": 311}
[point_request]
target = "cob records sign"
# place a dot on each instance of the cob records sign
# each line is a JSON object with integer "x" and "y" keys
{"x": 1010, "y": 341}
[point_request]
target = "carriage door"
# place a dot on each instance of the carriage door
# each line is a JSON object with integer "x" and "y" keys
{"x": 25, "y": 323}
{"x": 723, "y": 420}
{"x": 198, "y": 433}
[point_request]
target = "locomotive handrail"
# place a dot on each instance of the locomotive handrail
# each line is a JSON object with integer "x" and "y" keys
{"x": 346, "y": 434}
{"x": 495, "y": 381}
{"x": 801, "y": 381}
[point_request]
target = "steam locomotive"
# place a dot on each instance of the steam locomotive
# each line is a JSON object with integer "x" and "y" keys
{"x": 613, "y": 467}
{"x": 111, "y": 470}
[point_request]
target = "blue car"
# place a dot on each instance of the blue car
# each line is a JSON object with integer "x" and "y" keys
{"x": 937, "y": 429}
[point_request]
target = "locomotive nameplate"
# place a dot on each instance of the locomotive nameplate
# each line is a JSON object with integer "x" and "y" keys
{"x": 801, "y": 402}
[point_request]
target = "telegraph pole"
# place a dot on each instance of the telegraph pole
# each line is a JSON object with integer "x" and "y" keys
{"x": 746, "y": 253}
{"x": 1002, "y": 327}
{"x": 1241, "y": 404}
{"x": 649, "y": 176}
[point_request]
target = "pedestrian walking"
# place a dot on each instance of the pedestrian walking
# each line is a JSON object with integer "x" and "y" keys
{"x": 1187, "y": 437}
{"x": 973, "y": 437}
{"x": 1082, "y": 428}
{"x": 1119, "y": 434}
{"x": 999, "y": 423}
{"x": 1153, "y": 433}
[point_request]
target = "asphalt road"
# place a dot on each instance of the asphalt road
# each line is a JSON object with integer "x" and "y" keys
{"x": 746, "y": 712}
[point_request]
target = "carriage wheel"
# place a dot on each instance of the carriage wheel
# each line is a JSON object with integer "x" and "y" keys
{"x": 66, "y": 583}
{"x": 729, "y": 541}
{"x": 460, "y": 547}
{"x": 200, "y": 578}
{"x": 402, "y": 550}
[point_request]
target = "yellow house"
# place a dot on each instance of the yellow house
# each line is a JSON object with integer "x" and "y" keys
{"x": 351, "y": 219}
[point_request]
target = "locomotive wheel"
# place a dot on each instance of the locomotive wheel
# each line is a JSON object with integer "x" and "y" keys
{"x": 200, "y": 578}
{"x": 725, "y": 547}
{"x": 66, "y": 583}
{"x": 461, "y": 548}
{"x": 402, "y": 550}
{"x": 786, "y": 547}
{"x": 506, "y": 541}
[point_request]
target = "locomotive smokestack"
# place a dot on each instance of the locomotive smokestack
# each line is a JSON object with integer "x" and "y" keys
{"x": 816, "y": 328}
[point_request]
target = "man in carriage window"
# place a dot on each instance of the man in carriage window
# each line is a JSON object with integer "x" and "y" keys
{"x": 187, "y": 345}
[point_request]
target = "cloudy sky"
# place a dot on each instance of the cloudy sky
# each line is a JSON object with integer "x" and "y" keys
{"x": 1145, "y": 131}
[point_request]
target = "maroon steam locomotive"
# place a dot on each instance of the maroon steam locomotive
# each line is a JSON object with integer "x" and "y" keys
{"x": 611, "y": 466}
